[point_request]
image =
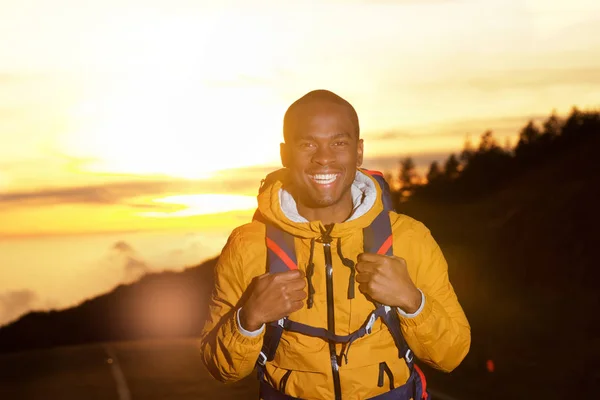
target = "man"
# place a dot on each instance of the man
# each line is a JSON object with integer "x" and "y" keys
{"x": 325, "y": 203}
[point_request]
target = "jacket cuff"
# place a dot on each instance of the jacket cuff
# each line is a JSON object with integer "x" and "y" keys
{"x": 244, "y": 331}
{"x": 420, "y": 316}
{"x": 413, "y": 315}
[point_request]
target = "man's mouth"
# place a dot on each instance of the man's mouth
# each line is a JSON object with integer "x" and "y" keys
{"x": 324, "y": 179}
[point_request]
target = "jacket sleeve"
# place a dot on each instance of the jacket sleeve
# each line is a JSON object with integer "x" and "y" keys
{"x": 440, "y": 334}
{"x": 228, "y": 354}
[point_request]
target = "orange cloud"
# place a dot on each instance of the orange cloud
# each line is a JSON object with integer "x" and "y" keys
{"x": 15, "y": 303}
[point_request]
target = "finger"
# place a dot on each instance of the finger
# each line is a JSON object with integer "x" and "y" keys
{"x": 365, "y": 266}
{"x": 297, "y": 295}
{"x": 362, "y": 266}
{"x": 370, "y": 257}
{"x": 295, "y": 285}
{"x": 364, "y": 288}
{"x": 289, "y": 275}
{"x": 363, "y": 277}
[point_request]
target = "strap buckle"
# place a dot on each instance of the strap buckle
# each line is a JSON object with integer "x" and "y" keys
{"x": 262, "y": 359}
{"x": 370, "y": 324}
{"x": 409, "y": 356}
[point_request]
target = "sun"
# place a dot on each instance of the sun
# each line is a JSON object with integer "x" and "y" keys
{"x": 171, "y": 131}
{"x": 155, "y": 107}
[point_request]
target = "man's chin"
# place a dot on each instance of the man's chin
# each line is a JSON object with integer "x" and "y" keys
{"x": 318, "y": 202}
{"x": 323, "y": 202}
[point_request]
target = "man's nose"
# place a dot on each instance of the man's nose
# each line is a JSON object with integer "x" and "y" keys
{"x": 323, "y": 155}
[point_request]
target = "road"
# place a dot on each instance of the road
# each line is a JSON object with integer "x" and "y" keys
{"x": 148, "y": 370}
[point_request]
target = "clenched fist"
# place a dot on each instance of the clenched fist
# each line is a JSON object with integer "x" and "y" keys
{"x": 385, "y": 280}
{"x": 272, "y": 297}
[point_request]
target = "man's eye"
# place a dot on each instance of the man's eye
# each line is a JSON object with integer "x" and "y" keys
{"x": 341, "y": 143}
{"x": 307, "y": 145}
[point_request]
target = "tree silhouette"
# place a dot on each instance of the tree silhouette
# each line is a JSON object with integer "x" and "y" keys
{"x": 407, "y": 172}
{"x": 467, "y": 152}
{"x": 529, "y": 139}
{"x": 552, "y": 127}
{"x": 508, "y": 148}
{"x": 487, "y": 142}
{"x": 573, "y": 124}
{"x": 530, "y": 134}
{"x": 489, "y": 166}
{"x": 451, "y": 170}
{"x": 435, "y": 172}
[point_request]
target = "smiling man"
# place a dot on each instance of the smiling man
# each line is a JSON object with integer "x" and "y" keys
{"x": 285, "y": 299}
{"x": 322, "y": 150}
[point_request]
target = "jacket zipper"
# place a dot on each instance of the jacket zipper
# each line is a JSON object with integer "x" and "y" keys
{"x": 331, "y": 322}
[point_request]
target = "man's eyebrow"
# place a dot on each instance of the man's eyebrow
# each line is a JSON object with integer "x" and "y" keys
{"x": 342, "y": 134}
{"x": 314, "y": 138}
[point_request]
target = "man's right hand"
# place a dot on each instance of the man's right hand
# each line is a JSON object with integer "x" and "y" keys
{"x": 272, "y": 297}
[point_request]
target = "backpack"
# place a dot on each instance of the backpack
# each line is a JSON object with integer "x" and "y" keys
{"x": 281, "y": 257}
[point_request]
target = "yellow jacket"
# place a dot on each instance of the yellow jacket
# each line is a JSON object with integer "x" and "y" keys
{"x": 439, "y": 335}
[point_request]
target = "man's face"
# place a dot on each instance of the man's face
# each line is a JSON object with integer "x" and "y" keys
{"x": 322, "y": 154}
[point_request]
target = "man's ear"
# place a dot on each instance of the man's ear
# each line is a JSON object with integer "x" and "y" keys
{"x": 359, "y": 153}
{"x": 284, "y": 154}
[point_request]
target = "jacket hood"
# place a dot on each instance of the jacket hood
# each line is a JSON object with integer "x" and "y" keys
{"x": 277, "y": 206}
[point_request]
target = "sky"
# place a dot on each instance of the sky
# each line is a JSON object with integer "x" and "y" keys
{"x": 154, "y": 116}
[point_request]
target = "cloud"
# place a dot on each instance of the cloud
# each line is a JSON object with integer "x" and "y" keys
{"x": 522, "y": 79}
{"x": 416, "y": 134}
{"x": 132, "y": 264}
{"x": 460, "y": 128}
{"x": 122, "y": 247}
{"x": 94, "y": 194}
{"x": 391, "y": 135}
{"x": 392, "y": 163}
{"x": 190, "y": 249}
{"x": 125, "y": 193}
{"x": 15, "y": 303}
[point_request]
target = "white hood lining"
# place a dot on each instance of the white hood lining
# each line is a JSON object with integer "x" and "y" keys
{"x": 364, "y": 194}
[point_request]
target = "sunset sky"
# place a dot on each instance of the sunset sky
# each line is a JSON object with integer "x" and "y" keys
{"x": 135, "y": 115}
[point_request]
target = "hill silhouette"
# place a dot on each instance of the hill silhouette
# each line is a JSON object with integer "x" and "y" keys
{"x": 165, "y": 304}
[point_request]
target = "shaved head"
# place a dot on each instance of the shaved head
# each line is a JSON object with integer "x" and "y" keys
{"x": 322, "y": 151}
{"x": 317, "y": 96}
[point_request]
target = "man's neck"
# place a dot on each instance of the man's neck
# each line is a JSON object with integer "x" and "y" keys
{"x": 334, "y": 214}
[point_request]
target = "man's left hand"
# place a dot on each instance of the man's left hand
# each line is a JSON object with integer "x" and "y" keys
{"x": 385, "y": 279}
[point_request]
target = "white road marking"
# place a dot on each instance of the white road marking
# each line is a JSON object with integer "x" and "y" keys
{"x": 115, "y": 368}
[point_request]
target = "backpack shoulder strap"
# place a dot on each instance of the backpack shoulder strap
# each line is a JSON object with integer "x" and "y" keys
{"x": 378, "y": 238}
{"x": 378, "y": 235}
{"x": 281, "y": 257}
{"x": 386, "y": 194}
{"x": 281, "y": 254}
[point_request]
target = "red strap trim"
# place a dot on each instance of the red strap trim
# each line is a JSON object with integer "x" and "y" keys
{"x": 385, "y": 246}
{"x": 423, "y": 382}
{"x": 373, "y": 172}
{"x": 281, "y": 254}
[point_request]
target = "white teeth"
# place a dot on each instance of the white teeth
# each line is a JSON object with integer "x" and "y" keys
{"x": 324, "y": 176}
{"x": 324, "y": 179}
